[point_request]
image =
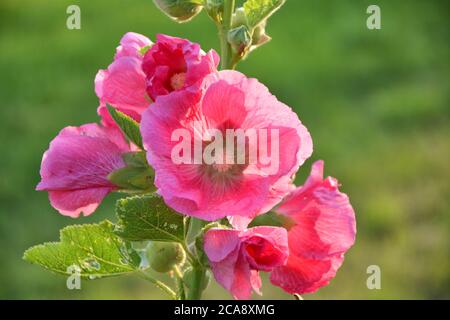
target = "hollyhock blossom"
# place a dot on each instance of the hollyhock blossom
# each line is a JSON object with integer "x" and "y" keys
{"x": 74, "y": 169}
{"x": 172, "y": 64}
{"x": 123, "y": 84}
{"x": 236, "y": 257}
{"x": 322, "y": 229}
{"x": 228, "y": 100}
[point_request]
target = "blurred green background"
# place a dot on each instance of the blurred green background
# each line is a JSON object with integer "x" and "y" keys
{"x": 376, "y": 102}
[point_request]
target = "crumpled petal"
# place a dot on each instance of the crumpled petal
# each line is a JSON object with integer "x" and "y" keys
{"x": 171, "y": 59}
{"x": 236, "y": 257}
{"x": 325, "y": 228}
{"x": 123, "y": 84}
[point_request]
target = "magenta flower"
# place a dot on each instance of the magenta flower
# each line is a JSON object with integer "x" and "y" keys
{"x": 211, "y": 191}
{"x": 324, "y": 229}
{"x": 172, "y": 64}
{"x": 74, "y": 169}
{"x": 236, "y": 257}
{"x": 123, "y": 84}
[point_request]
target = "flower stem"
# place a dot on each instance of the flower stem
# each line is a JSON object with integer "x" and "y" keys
{"x": 195, "y": 292}
{"x": 161, "y": 285}
{"x": 224, "y": 27}
{"x": 190, "y": 257}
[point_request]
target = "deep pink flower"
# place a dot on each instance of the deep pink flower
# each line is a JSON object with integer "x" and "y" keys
{"x": 172, "y": 64}
{"x": 324, "y": 229}
{"x": 123, "y": 84}
{"x": 236, "y": 257}
{"x": 210, "y": 192}
{"x": 74, "y": 169}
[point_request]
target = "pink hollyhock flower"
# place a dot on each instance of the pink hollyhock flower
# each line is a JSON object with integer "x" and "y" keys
{"x": 324, "y": 228}
{"x": 236, "y": 257}
{"x": 172, "y": 64}
{"x": 123, "y": 84}
{"x": 74, "y": 169}
{"x": 210, "y": 192}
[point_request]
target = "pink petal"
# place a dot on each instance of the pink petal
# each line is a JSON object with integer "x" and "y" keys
{"x": 224, "y": 271}
{"x": 131, "y": 44}
{"x": 301, "y": 275}
{"x": 75, "y": 168}
{"x": 239, "y": 222}
{"x": 224, "y": 103}
{"x": 75, "y": 202}
{"x": 325, "y": 229}
{"x": 256, "y": 282}
{"x": 219, "y": 243}
{"x": 266, "y": 247}
{"x": 241, "y": 288}
{"x": 123, "y": 86}
{"x": 325, "y": 220}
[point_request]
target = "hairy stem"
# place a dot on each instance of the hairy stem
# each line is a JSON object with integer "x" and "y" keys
{"x": 225, "y": 48}
{"x": 161, "y": 285}
{"x": 195, "y": 292}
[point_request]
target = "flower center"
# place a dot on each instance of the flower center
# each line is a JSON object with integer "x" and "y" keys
{"x": 261, "y": 253}
{"x": 177, "y": 81}
{"x": 222, "y": 167}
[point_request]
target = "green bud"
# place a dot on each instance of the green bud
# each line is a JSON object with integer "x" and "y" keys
{"x": 164, "y": 256}
{"x": 188, "y": 279}
{"x": 240, "y": 39}
{"x": 180, "y": 10}
{"x": 239, "y": 18}
{"x": 214, "y": 8}
{"x": 259, "y": 37}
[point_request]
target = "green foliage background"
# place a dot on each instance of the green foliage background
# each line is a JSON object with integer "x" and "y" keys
{"x": 376, "y": 103}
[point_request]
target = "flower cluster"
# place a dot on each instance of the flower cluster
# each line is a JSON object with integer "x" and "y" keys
{"x": 173, "y": 85}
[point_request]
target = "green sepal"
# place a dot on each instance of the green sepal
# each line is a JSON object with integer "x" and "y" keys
{"x": 273, "y": 219}
{"x": 128, "y": 126}
{"x": 136, "y": 177}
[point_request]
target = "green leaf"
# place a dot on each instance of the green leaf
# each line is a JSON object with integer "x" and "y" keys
{"x": 148, "y": 218}
{"x": 93, "y": 248}
{"x": 258, "y": 11}
{"x": 128, "y": 125}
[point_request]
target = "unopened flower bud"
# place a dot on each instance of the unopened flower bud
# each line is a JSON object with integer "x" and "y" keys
{"x": 239, "y": 18}
{"x": 214, "y": 8}
{"x": 259, "y": 36}
{"x": 240, "y": 39}
{"x": 180, "y": 10}
{"x": 164, "y": 256}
